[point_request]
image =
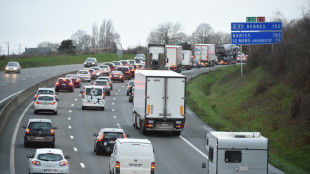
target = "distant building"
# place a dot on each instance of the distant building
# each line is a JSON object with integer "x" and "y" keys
{"x": 39, "y": 51}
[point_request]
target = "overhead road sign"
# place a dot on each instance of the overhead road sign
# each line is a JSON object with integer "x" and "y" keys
{"x": 249, "y": 38}
{"x": 255, "y": 26}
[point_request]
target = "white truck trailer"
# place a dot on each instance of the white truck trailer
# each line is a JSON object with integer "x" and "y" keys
{"x": 174, "y": 58}
{"x": 187, "y": 59}
{"x": 159, "y": 102}
{"x": 156, "y": 57}
{"x": 236, "y": 153}
{"x": 205, "y": 53}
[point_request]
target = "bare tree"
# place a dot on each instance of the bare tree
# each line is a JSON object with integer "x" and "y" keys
{"x": 202, "y": 34}
{"x": 166, "y": 33}
{"x": 95, "y": 36}
{"x": 82, "y": 41}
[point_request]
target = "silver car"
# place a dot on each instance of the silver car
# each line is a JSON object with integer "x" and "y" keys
{"x": 12, "y": 67}
{"x": 46, "y": 103}
{"x": 105, "y": 84}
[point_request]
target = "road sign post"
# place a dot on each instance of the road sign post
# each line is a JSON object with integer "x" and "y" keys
{"x": 119, "y": 54}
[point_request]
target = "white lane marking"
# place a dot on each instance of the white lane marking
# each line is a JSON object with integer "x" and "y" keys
{"x": 72, "y": 105}
{"x": 69, "y": 118}
{"x": 114, "y": 98}
{"x": 119, "y": 90}
{"x": 113, "y": 110}
{"x": 12, "y": 149}
{"x": 70, "y": 111}
{"x": 69, "y": 127}
{"x": 11, "y": 96}
{"x": 80, "y": 95}
{"x": 72, "y": 137}
{"x": 24, "y": 79}
{"x": 112, "y": 103}
{"x": 75, "y": 149}
{"x": 116, "y": 93}
{"x": 123, "y": 86}
{"x": 194, "y": 147}
{"x": 76, "y": 99}
{"x": 118, "y": 125}
{"x": 114, "y": 116}
{"x": 2, "y": 84}
{"x": 82, "y": 165}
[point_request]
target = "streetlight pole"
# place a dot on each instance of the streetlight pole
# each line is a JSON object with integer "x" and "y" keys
{"x": 8, "y": 48}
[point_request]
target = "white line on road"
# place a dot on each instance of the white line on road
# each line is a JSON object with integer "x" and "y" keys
{"x": 11, "y": 96}
{"x": 69, "y": 118}
{"x": 82, "y": 165}
{"x": 75, "y": 149}
{"x": 118, "y": 125}
{"x": 116, "y": 93}
{"x": 2, "y": 84}
{"x": 114, "y": 116}
{"x": 80, "y": 95}
{"x": 12, "y": 149}
{"x": 114, "y": 98}
{"x": 194, "y": 147}
{"x": 113, "y": 110}
{"x": 76, "y": 99}
{"x": 72, "y": 137}
{"x": 69, "y": 127}
{"x": 70, "y": 111}
{"x": 72, "y": 105}
{"x": 119, "y": 90}
{"x": 112, "y": 103}
{"x": 24, "y": 79}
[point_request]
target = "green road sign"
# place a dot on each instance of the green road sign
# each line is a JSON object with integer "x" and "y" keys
{"x": 250, "y": 19}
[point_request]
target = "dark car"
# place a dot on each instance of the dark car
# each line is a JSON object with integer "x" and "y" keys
{"x": 131, "y": 93}
{"x": 92, "y": 73}
{"x": 75, "y": 80}
{"x": 64, "y": 84}
{"x": 124, "y": 62}
{"x": 111, "y": 65}
{"x": 129, "y": 85}
{"x": 39, "y": 131}
{"x": 117, "y": 76}
{"x": 125, "y": 70}
{"x": 196, "y": 63}
{"x": 132, "y": 71}
{"x": 90, "y": 62}
{"x": 105, "y": 140}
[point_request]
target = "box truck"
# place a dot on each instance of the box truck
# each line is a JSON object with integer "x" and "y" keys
{"x": 187, "y": 59}
{"x": 205, "y": 53}
{"x": 174, "y": 58}
{"x": 159, "y": 101}
{"x": 156, "y": 57}
{"x": 236, "y": 152}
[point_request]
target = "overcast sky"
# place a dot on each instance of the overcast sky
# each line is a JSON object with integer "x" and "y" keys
{"x": 29, "y": 22}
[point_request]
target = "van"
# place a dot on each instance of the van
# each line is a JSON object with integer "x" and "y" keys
{"x": 132, "y": 156}
{"x": 93, "y": 97}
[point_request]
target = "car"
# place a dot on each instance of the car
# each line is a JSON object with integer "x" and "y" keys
{"x": 124, "y": 62}
{"x": 105, "y": 84}
{"x": 116, "y": 63}
{"x": 92, "y": 73}
{"x": 111, "y": 65}
{"x": 84, "y": 75}
{"x": 105, "y": 139}
{"x": 131, "y": 93}
{"x": 117, "y": 76}
{"x": 108, "y": 79}
{"x": 64, "y": 84}
{"x": 93, "y": 97}
{"x": 241, "y": 57}
{"x": 47, "y": 160}
{"x": 130, "y": 84}
{"x": 106, "y": 69}
{"x": 75, "y": 80}
{"x": 196, "y": 63}
{"x": 49, "y": 91}
{"x": 98, "y": 70}
{"x": 46, "y": 103}
{"x": 131, "y": 61}
{"x": 125, "y": 70}
{"x": 12, "y": 67}
{"x": 140, "y": 57}
{"x": 90, "y": 62}
{"x": 132, "y": 71}
{"x": 39, "y": 131}
{"x": 138, "y": 61}
{"x": 132, "y": 156}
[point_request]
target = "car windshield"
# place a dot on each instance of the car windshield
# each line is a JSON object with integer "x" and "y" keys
{"x": 140, "y": 55}
{"x": 90, "y": 60}
{"x": 101, "y": 82}
{"x": 94, "y": 91}
{"x": 72, "y": 76}
{"x": 63, "y": 80}
{"x": 46, "y": 92}
{"x": 96, "y": 69}
{"x": 40, "y": 125}
{"x": 138, "y": 61}
{"x": 131, "y": 83}
{"x": 113, "y": 135}
{"x": 46, "y": 98}
{"x": 12, "y": 64}
{"x": 128, "y": 149}
{"x": 82, "y": 72}
{"x": 50, "y": 157}
{"x": 117, "y": 63}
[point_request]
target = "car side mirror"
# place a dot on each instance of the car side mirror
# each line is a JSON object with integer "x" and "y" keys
{"x": 29, "y": 156}
{"x": 56, "y": 93}
{"x": 128, "y": 136}
{"x": 81, "y": 92}
{"x": 57, "y": 99}
{"x": 95, "y": 135}
{"x": 55, "y": 127}
{"x": 204, "y": 165}
{"x": 24, "y": 127}
{"x": 153, "y": 150}
{"x": 67, "y": 157}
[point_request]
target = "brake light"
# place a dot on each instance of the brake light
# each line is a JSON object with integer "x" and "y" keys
{"x": 149, "y": 125}
{"x": 117, "y": 164}
{"x": 127, "y": 72}
{"x": 36, "y": 163}
{"x": 36, "y": 96}
{"x": 124, "y": 135}
{"x": 110, "y": 82}
{"x": 27, "y": 131}
{"x": 37, "y": 102}
{"x": 110, "y": 76}
{"x": 83, "y": 94}
{"x": 101, "y": 138}
{"x": 120, "y": 77}
{"x": 52, "y": 132}
{"x": 57, "y": 83}
{"x": 103, "y": 95}
{"x": 53, "y": 103}
{"x": 179, "y": 126}
{"x": 153, "y": 166}
{"x": 108, "y": 85}
{"x": 63, "y": 163}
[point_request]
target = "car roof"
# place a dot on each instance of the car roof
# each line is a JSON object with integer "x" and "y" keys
{"x": 40, "y": 120}
{"x": 93, "y": 87}
{"x": 49, "y": 95}
{"x": 49, "y": 150}
{"x": 116, "y": 72}
{"x": 106, "y": 77}
{"x": 112, "y": 130}
{"x": 133, "y": 140}
{"x": 46, "y": 89}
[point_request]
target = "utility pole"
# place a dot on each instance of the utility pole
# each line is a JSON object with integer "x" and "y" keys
{"x": 8, "y": 48}
{"x": 20, "y": 51}
{"x": 0, "y": 50}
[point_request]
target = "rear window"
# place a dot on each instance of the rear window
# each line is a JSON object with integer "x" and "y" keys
{"x": 129, "y": 150}
{"x": 123, "y": 69}
{"x": 113, "y": 135}
{"x": 64, "y": 80}
{"x": 46, "y": 92}
{"x": 82, "y": 72}
{"x": 103, "y": 82}
{"x": 96, "y": 69}
{"x": 90, "y": 60}
{"x": 233, "y": 156}
{"x": 72, "y": 76}
{"x": 50, "y": 157}
{"x": 46, "y": 98}
{"x": 94, "y": 91}
{"x": 117, "y": 63}
{"x": 40, "y": 125}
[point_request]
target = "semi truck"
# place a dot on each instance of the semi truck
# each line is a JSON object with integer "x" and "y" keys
{"x": 159, "y": 101}
{"x": 205, "y": 53}
{"x": 156, "y": 57}
{"x": 225, "y": 54}
{"x": 236, "y": 152}
{"x": 174, "y": 58}
{"x": 187, "y": 59}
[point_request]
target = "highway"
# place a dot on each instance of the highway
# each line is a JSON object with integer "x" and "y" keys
{"x": 173, "y": 155}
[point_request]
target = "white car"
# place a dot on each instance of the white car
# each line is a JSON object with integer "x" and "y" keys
{"x": 98, "y": 70}
{"x": 49, "y": 91}
{"x": 48, "y": 161}
{"x": 132, "y": 156}
{"x": 93, "y": 96}
{"x": 46, "y": 103}
{"x": 12, "y": 67}
{"x": 84, "y": 75}
{"x": 106, "y": 69}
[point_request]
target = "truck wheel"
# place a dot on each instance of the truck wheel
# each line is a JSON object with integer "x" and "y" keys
{"x": 83, "y": 107}
{"x": 176, "y": 133}
{"x": 102, "y": 108}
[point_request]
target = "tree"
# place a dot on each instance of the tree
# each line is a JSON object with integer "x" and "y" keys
{"x": 82, "y": 41}
{"x": 202, "y": 34}
{"x": 95, "y": 36}
{"x": 48, "y": 44}
{"x": 66, "y": 46}
{"x": 166, "y": 33}
{"x": 108, "y": 38}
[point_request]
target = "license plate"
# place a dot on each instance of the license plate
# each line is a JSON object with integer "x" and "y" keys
{"x": 39, "y": 138}
{"x": 115, "y": 76}
{"x": 112, "y": 141}
{"x": 64, "y": 84}
{"x": 135, "y": 165}
{"x": 164, "y": 125}
{"x": 50, "y": 170}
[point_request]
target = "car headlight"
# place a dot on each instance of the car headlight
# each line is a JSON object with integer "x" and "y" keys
{"x": 14, "y": 68}
{"x": 84, "y": 62}
{"x": 7, "y": 68}
{"x": 105, "y": 143}
{"x": 93, "y": 63}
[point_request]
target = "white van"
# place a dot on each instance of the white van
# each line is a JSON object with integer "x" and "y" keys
{"x": 132, "y": 156}
{"x": 93, "y": 96}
